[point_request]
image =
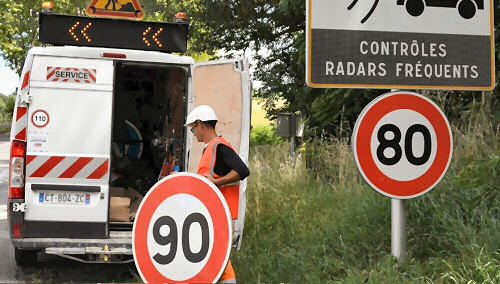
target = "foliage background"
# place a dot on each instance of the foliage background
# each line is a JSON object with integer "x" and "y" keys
{"x": 272, "y": 31}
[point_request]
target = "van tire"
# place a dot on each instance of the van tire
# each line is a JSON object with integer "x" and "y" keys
{"x": 25, "y": 257}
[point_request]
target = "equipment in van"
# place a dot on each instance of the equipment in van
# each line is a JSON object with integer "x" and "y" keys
{"x": 99, "y": 74}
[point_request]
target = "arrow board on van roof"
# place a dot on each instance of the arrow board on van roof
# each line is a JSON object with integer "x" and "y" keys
{"x": 113, "y": 33}
{"x": 400, "y": 44}
{"x": 128, "y": 9}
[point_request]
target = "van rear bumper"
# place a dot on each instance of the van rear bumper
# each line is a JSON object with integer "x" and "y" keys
{"x": 119, "y": 242}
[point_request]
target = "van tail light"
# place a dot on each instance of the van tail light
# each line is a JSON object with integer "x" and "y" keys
{"x": 16, "y": 230}
{"x": 16, "y": 173}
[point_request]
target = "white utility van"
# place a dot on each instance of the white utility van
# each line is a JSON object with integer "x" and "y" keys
{"x": 88, "y": 119}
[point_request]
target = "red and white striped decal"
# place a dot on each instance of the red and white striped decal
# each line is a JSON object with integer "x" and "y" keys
{"x": 66, "y": 167}
{"x": 71, "y": 75}
{"x": 21, "y": 123}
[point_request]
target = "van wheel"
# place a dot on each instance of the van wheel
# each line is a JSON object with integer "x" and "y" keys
{"x": 415, "y": 7}
{"x": 25, "y": 257}
{"x": 467, "y": 9}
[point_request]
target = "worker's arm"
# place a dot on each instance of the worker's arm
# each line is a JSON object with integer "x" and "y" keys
{"x": 228, "y": 162}
{"x": 231, "y": 177}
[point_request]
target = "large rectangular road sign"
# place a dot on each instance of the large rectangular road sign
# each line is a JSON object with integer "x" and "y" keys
{"x": 400, "y": 44}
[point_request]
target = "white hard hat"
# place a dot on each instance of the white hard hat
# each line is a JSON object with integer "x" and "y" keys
{"x": 202, "y": 113}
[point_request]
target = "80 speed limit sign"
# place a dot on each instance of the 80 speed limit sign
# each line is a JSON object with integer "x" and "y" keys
{"x": 182, "y": 231}
{"x": 402, "y": 144}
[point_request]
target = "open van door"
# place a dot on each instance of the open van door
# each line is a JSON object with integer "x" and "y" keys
{"x": 225, "y": 86}
{"x": 68, "y": 148}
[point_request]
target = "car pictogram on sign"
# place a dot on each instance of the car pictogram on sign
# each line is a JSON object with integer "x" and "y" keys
{"x": 466, "y": 8}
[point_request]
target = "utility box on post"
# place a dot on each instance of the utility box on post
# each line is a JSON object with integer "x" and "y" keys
{"x": 290, "y": 124}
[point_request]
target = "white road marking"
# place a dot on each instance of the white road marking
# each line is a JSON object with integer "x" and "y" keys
{"x": 3, "y": 212}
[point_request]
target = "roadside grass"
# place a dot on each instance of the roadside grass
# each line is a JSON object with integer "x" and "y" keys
{"x": 323, "y": 224}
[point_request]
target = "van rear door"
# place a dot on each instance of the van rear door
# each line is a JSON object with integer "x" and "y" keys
{"x": 68, "y": 147}
{"x": 225, "y": 86}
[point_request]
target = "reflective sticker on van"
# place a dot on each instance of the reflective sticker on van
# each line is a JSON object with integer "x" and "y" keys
{"x": 67, "y": 167}
{"x": 20, "y": 124}
{"x": 71, "y": 75}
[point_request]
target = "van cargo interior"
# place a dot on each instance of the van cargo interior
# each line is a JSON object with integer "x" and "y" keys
{"x": 147, "y": 140}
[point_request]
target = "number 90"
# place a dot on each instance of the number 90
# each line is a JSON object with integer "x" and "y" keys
{"x": 172, "y": 238}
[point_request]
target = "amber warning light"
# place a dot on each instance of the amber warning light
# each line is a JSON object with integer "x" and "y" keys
{"x": 47, "y": 7}
{"x": 113, "y": 33}
{"x": 181, "y": 16}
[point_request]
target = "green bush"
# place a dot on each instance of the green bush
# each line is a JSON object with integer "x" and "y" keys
{"x": 264, "y": 135}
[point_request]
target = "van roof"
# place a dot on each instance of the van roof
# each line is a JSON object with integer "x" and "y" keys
{"x": 96, "y": 52}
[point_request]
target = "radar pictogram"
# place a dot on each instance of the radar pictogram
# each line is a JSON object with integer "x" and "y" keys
{"x": 354, "y": 2}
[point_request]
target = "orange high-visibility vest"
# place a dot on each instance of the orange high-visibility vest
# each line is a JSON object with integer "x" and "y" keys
{"x": 206, "y": 166}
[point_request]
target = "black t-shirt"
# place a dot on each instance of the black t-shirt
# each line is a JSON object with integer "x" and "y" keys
{"x": 228, "y": 160}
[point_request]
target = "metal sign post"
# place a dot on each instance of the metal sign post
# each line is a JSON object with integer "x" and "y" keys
{"x": 398, "y": 226}
{"x": 398, "y": 229}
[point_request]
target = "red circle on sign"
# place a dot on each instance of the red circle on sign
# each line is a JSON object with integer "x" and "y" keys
{"x": 365, "y": 126}
{"x": 197, "y": 186}
{"x": 33, "y": 115}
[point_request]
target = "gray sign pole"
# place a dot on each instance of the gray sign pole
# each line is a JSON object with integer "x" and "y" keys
{"x": 398, "y": 229}
{"x": 293, "y": 130}
{"x": 398, "y": 226}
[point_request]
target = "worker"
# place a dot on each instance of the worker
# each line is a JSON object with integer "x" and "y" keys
{"x": 114, "y": 4}
{"x": 219, "y": 163}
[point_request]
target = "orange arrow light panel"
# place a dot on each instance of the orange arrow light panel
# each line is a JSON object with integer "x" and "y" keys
{"x": 113, "y": 33}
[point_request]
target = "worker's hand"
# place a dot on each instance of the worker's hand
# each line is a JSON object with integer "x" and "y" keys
{"x": 210, "y": 178}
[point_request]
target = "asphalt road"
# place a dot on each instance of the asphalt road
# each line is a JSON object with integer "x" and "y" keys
{"x": 50, "y": 269}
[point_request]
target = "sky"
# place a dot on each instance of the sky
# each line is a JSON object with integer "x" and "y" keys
{"x": 8, "y": 79}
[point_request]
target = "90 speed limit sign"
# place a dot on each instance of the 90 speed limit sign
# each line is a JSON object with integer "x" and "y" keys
{"x": 182, "y": 231}
{"x": 402, "y": 144}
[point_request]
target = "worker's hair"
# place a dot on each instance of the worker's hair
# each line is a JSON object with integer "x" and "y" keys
{"x": 211, "y": 123}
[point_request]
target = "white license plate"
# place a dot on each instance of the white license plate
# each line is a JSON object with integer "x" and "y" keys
{"x": 69, "y": 198}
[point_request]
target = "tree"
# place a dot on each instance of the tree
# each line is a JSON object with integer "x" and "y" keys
{"x": 277, "y": 27}
{"x": 274, "y": 30}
